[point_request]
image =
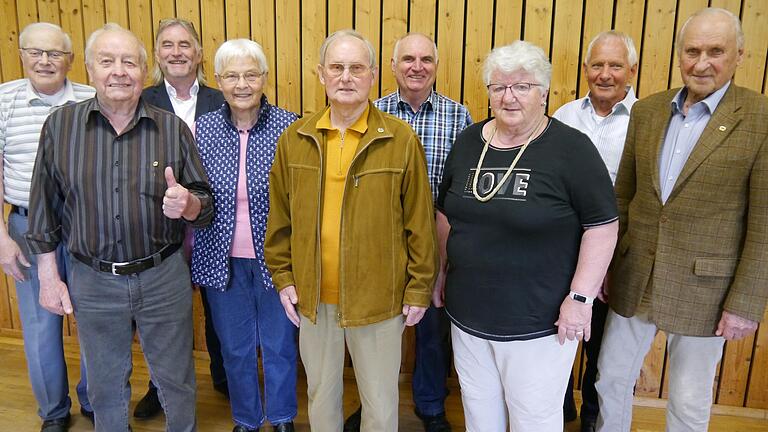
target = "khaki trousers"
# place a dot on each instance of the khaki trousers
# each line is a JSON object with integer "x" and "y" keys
{"x": 375, "y": 352}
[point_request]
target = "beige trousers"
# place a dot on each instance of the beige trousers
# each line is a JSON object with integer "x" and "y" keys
{"x": 375, "y": 351}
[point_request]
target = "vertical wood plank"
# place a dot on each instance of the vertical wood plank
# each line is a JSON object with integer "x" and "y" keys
{"x": 657, "y": 46}
{"x": 13, "y": 299}
{"x": 538, "y": 23}
{"x": 684, "y": 10}
{"x": 72, "y": 23}
{"x": 5, "y": 303}
{"x": 10, "y": 63}
{"x": 755, "y": 27}
{"x": 509, "y": 22}
{"x": 649, "y": 383}
{"x": 117, "y": 12}
{"x": 263, "y": 32}
{"x": 394, "y": 24}
{"x": 288, "y": 55}
{"x": 238, "y": 22}
{"x": 340, "y": 17}
{"x": 423, "y": 17}
{"x": 731, "y": 5}
{"x": 479, "y": 39}
{"x": 48, "y": 11}
{"x": 140, "y": 22}
{"x": 450, "y": 40}
{"x": 597, "y": 18}
{"x": 160, "y": 10}
{"x": 737, "y": 360}
{"x": 757, "y": 393}
{"x": 211, "y": 32}
{"x": 565, "y": 55}
{"x": 312, "y": 36}
{"x": 26, "y": 13}
{"x": 94, "y": 16}
{"x": 190, "y": 11}
{"x": 368, "y": 23}
{"x": 630, "y": 15}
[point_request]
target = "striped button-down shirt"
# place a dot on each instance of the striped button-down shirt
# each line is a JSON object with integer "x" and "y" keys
{"x": 102, "y": 192}
{"x": 437, "y": 123}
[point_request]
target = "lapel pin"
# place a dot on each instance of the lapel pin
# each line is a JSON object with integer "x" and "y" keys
{"x": 381, "y": 130}
{"x": 722, "y": 128}
{"x": 155, "y": 163}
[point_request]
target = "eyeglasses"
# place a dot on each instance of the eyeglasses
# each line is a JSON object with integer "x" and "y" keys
{"x": 517, "y": 89}
{"x": 337, "y": 69}
{"x": 232, "y": 78}
{"x": 36, "y": 53}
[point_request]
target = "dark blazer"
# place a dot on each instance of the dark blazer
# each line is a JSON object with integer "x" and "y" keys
{"x": 706, "y": 249}
{"x": 208, "y": 99}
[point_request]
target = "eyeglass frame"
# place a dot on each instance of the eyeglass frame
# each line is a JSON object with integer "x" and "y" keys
{"x": 55, "y": 55}
{"x": 346, "y": 67}
{"x": 511, "y": 90}
{"x": 227, "y": 77}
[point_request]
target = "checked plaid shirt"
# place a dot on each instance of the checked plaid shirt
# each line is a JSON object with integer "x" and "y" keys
{"x": 437, "y": 123}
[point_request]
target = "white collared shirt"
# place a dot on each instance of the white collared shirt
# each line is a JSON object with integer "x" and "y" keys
{"x": 184, "y": 108}
{"x": 608, "y": 134}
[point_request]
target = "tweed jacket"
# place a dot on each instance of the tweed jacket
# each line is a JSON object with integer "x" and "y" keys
{"x": 208, "y": 99}
{"x": 706, "y": 249}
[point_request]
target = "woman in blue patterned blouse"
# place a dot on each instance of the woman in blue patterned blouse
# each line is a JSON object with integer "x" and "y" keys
{"x": 237, "y": 144}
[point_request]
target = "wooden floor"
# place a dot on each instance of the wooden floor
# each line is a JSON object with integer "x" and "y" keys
{"x": 17, "y": 405}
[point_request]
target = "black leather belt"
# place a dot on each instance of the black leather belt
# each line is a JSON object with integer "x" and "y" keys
{"x": 20, "y": 210}
{"x": 129, "y": 267}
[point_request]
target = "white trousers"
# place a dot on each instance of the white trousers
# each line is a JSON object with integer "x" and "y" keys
{"x": 692, "y": 363}
{"x": 522, "y": 382}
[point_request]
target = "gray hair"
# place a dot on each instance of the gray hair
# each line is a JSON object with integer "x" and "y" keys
{"x": 239, "y": 49}
{"x": 110, "y": 28}
{"x": 706, "y": 12}
{"x": 629, "y": 44}
{"x": 157, "y": 73}
{"x": 396, "y": 49}
{"x": 347, "y": 33}
{"x": 519, "y": 55}
{"x": 31, "y": 28}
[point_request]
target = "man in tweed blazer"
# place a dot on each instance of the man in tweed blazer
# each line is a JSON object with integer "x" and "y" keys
{"x": 692, "y": 259}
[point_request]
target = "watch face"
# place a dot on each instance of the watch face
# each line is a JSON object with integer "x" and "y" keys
{"x": 580, "y": 298}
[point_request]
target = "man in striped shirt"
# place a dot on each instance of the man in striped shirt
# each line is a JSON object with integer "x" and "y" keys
{"x": 46, "y": 54}
{"x": 116, "y": 180}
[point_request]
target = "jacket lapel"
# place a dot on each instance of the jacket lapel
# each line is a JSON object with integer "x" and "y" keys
{"x": 660, "y": 117}
{"x": 203, "y": 102}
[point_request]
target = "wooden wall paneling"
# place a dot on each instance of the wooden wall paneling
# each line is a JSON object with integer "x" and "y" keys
{"x": 198, "y": 322}
{"x": 94, "y": 17}
{"x": 657, "y": 45}
{"x": 263, "y": 32}
{"x": 565, "y": 55}
{"x": 684, "y": 10}
{"x": 423, "y": 17}
{"x": 140, "y": 21}
{"x": 212, "y": 33}
{"x": 479, "y": 39}
{"x": 48, "y": 11}
{"x": 26, "y": 12}
{"x": 72, "y": 22}
{"x": 340, "y": 17}
{"x": 755, "y": 27}
{"x": 598, "y": 17}
{"x": 117, "y": 12}
{"x": 450, "y": 43}
{"x": 190, "y": 11}
{"x": 368, "y": 23}
{"x": 13, "y": 299}
{"x": 538, "y": 23}
{"x": 288, "y": 50}
{"x": 161, "y": 9}
{"x": 238, "y": 20}
{"x": 313, "y": 19}
{"x": 10, "y": 63}
{"x": 508, "y": 24}
{"x": 5, "y": 302}
{"x": 757, "y": 390}
{"x": 629, "y": 18}
{"x": 734, "y": 375}
{"x": 649, "y": 383}
{"x": 394, "y": 24}
{"x": 731, "y": 5}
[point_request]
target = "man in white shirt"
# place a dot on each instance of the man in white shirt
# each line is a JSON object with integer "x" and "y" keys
{"x": 603, "y": 115}
{"x": 46, "y": 54}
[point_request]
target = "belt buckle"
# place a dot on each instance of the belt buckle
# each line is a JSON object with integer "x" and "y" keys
{"x": 116, "y": 264}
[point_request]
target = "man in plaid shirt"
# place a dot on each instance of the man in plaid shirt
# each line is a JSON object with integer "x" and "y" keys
{"x": 437, "y": 120}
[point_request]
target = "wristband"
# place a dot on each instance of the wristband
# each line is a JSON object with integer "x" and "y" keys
{"x": 581, "y": 298}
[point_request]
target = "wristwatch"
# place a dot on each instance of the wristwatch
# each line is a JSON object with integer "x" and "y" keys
{"x": 581, "y": 298}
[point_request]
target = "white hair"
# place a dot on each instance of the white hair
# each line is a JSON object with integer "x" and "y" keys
{"x": 629, "y": 44}
{"x": 31, "y": 28}
{"x": 348, "y": 33}
{"x": 708, "y": 12}
{"x": 519, "y": 55}
{"x": 239, "y": 49}
{"x": 110, "y": 28}
{"x": 396, "y": 49}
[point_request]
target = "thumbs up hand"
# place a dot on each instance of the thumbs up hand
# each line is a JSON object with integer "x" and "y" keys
{"x": 176, "y": 198}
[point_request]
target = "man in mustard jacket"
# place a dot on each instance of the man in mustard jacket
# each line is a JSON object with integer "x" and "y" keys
{"x": 692, "y": 259}
{"x": 351, "y": 238}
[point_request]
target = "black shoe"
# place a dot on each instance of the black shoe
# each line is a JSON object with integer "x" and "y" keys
{"x": 56, "y": 425}
{"x": 239, "y": 428}
{"x": 283, "y": 427}
{"x": 435, "y": 423}
{"x": 588, "y": 425}
{"x": 222, "y": 388}
{"x": 352, "y": 423}
{"x": 569, "y": 410}
{"x": 149, "y": 406}
{"x": 88, "y": 414}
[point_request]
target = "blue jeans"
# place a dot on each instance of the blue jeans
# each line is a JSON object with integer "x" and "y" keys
{"x": 159, "y": 300}
{"x": 248, "y": 316}
{"x": 433, "y": 360}
{"x": 42, "y": 332}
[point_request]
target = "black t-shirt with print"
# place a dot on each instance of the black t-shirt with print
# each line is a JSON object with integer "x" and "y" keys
{"x": 512, "y": 259}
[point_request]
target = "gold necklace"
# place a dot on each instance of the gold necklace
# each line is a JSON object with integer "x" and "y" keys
{"x": 496, "y": 189}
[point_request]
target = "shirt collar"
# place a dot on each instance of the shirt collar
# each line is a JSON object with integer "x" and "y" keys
{"x": 711, "y": 101}
{"x": 172, "y": 90}
{"x": 141, "y": 112}
{"x": 429, "y": 102}
{"x": 68, "y": 96}
{"x": 624, "y": 105}
{"x": 360, "y": 125}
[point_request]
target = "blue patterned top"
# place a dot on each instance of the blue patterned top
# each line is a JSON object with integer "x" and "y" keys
{"x": 437, "y": 123}
{"x": 218, "y": 143}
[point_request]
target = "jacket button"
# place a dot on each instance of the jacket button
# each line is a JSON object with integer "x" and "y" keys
{"x": 663, "y": 219}
{"x": 651, "y": 252}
